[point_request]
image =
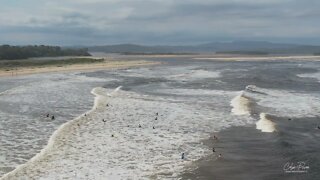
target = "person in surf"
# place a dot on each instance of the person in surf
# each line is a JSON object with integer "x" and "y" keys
{"x": 52, "y": 117}
{"x": 182, "y": 156}
{"x": 104, "y": 121}
{"x": 215, "y": 137}
{"x": 213, "y": 150}
{"x": 48, "y": 115}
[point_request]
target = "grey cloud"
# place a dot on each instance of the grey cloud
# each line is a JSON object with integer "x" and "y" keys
{"x": 171, "y": 21}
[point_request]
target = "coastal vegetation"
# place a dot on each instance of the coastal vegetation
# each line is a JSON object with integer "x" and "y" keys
{"x": 8, "y": 52}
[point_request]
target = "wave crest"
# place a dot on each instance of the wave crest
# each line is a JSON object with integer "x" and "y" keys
{"x": 265, "y": 124}
{"x": 240, "y": 105}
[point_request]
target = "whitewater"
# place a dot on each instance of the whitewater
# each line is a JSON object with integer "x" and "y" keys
{"x": 119, "y": 148}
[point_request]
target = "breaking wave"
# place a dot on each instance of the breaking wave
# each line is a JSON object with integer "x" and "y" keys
{"x": 108, "y": 142}
{"x": 265, "y": 124}
{"x": 240, "y": 105}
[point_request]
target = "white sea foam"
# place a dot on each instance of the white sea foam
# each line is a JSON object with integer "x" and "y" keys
{"x": 195, "y": 75}
{"x": 85, "y": 149}
{"x": 56, "y": 140}
{"x": 265, "y": 124}
{"x": 24, "y": 127}
{"x": 286, "y": 103}
{"x": 196, "y": 92}
{"x": 115, "y": 91}
{"x": 240, "y": 105}
{"x": 185, "y": 73}
{"x": 311, "y": 75}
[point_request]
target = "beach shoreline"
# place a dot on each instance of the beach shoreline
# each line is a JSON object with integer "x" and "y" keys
{"x": 87, "y": 67}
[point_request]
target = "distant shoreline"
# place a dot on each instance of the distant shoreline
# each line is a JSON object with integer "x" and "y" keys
{"x": 213, "y": 56}
{"x": 232, "y": 57}
{"x": 101, "y": 63}
{"x": 51, "y": 66}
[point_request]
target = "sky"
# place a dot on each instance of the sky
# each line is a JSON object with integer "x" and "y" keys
{"x": 151, "y": 22}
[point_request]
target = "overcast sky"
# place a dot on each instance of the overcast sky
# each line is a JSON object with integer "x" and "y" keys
{"x": 89, "y": 22}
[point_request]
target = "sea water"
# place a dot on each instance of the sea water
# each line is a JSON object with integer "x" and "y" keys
{"x": 136, "y": 123}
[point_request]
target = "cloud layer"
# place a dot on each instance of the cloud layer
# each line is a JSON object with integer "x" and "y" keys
{"x": 83, "y": 22}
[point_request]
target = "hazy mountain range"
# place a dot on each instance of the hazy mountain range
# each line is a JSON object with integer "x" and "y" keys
{"x": 250, "y": 47}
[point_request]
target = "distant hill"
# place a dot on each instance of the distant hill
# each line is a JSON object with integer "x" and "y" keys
{"x": 134, "y": 48}
{"x": 241, "y": 47}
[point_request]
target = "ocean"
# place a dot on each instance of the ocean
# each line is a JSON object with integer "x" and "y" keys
{"x": 135, "y": 123}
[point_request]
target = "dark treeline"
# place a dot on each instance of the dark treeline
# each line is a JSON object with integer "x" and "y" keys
{"x": 23, "y": 52}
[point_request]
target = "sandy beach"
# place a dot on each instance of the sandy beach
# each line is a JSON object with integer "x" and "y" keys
{"x": 107, "y": 64}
